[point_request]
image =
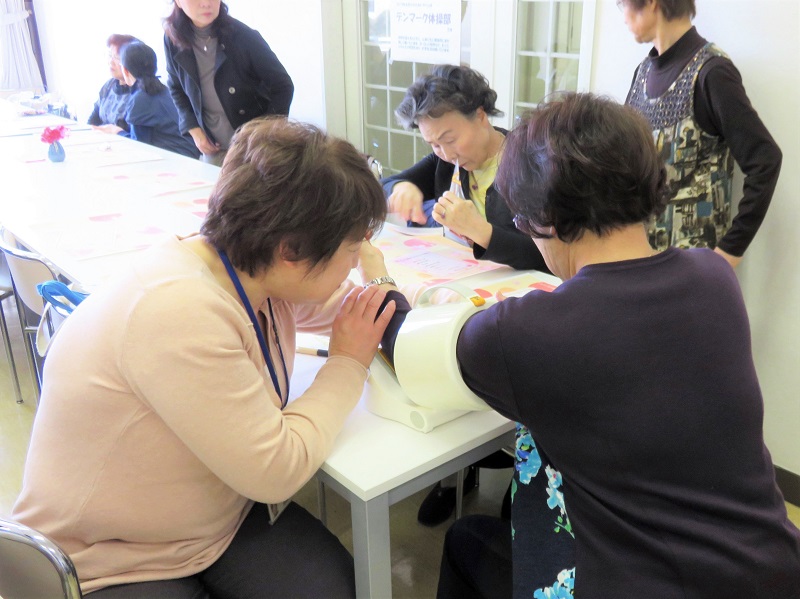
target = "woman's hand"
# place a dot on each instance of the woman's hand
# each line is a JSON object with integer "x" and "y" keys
{"x": 202, "y": 142}
{"x": 113, "y": 129}
{"x": 406, "y": 200}
{"x": 462, "y": 218}
{"x": 356, "y": 332}
{"x": 732, "y": 260}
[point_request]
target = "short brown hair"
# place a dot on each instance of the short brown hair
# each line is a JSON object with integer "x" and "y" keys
{"x": 581, "y": 163}
{"x": 671, "y": 9}
{"x": 118, "y": 40}
{"x": 288, "y": 186}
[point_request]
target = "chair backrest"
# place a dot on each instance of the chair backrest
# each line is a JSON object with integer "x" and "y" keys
{"x": 375, "y": 166}
{"x": 27, "y": 270}
{"x": 5, "y": 276}
{"x": 31, "y": 565}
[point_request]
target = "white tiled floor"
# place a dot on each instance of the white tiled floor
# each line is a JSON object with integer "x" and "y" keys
{"x": 416, "y": 550}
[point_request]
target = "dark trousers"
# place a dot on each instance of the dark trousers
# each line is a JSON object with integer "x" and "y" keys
{"x": 295, "y": 557}
{"x": 476, "y": 560}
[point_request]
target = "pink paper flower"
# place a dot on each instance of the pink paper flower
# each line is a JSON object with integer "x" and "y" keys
{"x": 53, "y": 134}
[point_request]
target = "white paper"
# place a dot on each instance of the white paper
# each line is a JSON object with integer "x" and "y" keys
{"x": 427, "y": 31}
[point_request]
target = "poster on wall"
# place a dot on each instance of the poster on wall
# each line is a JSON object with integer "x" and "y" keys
{"x": 426, "y": 31}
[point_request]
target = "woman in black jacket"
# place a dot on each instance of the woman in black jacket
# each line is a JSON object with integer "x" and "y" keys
{"x": 221, "y": 74}
{"x": 451, "y": 107}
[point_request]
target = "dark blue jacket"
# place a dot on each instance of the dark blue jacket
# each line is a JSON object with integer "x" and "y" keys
{"x": 154, "y": 120}
{"x": 111, "y": 105}
{"x": 250, "y": 80}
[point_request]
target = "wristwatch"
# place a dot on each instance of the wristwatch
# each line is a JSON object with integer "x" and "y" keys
{"x": 381, "y": 281}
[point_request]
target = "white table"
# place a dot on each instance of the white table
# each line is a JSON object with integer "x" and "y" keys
{"x": 359, "y": 471}
{"x": 112, "y": 199}
{"x": 91, "y": 214}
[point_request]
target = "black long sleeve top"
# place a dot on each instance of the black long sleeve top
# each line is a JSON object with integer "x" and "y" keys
{"x": 508, "y": 245}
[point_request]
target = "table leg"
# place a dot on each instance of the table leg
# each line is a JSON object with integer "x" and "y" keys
{"x": 459, "y": 492}
{"x": 321, "y": 504}
{"x": 371, "y": 547}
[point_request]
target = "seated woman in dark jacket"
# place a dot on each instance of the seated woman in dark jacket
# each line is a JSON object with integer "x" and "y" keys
{"x": 108, "y": 114}
{"x": 451, "y": 107}
{"x": 151, "y": 115}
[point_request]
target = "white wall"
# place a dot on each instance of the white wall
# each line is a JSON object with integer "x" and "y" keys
{"x": 763, "y": 40}
{"x": 73, "y": 35}
{"x": 762, "y": 37}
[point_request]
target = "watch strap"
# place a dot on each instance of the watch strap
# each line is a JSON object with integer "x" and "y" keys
{"x": 381, "y": 281}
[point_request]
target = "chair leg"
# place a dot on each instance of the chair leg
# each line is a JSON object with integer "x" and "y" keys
{"x": 34, "y": 366}
{"x": 12, "y": 366}
{"x": 27, "y": 331}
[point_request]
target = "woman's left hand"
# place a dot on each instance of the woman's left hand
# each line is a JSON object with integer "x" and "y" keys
{"x": 462, "y": 218}
{"x": 112, "y": 129}
{"x": 371, "y": 264}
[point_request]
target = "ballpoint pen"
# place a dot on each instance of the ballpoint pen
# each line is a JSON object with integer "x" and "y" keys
{"x": 455, "y": 182}
{"x": 455, "y": 188}
{"x": 310, "y": 351}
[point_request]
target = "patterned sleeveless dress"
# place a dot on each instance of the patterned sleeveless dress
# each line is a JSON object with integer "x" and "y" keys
{"x": 699, "y": 165}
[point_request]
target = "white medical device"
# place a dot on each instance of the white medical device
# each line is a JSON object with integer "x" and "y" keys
{"x": 425, "y": 388}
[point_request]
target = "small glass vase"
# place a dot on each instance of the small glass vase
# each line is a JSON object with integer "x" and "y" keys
{"x": 56, "y": 152}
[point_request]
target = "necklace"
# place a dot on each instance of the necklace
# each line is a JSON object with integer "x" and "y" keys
{"x": 204, "y": 42}
{"x": 259, "y": 334}
{"x": 481, "y": 178}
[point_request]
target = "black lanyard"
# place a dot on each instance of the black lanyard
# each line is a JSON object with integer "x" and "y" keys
{"x": 261, "y": 341}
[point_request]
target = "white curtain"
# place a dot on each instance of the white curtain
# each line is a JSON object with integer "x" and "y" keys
{"x": 19, "y": 68}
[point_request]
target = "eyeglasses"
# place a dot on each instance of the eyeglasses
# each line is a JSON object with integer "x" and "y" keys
{"x": 527, "y": 226}
{"x": 621, "y": 5}
{"x": 523, "y": 224}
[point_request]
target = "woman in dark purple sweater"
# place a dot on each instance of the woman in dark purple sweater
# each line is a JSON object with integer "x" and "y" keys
{"x": 666, "y": 481}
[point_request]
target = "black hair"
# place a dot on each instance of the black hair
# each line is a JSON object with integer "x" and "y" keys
{"x": 178, "y": 26}
{"x": 671, "y": 9}
{"x": 445, "y": 89}
{"x": 140, "y": 59}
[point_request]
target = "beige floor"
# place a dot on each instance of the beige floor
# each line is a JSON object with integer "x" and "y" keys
{"x": 416, "y": 550}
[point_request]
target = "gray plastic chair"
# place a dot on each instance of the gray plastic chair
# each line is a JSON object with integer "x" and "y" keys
{"x": 7, "y": 291}
{"x": 33, "y": 566}
{"x": 27, "y": 269}
{"x": 375, "y": 166}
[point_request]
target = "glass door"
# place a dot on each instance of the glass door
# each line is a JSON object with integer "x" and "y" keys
{"x": 384, "y": 85}
{"x": 525, "y": 48}
{"x": 553, "y": 47}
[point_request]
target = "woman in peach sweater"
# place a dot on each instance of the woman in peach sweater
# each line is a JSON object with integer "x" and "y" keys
{"x": 164, "y": 430}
